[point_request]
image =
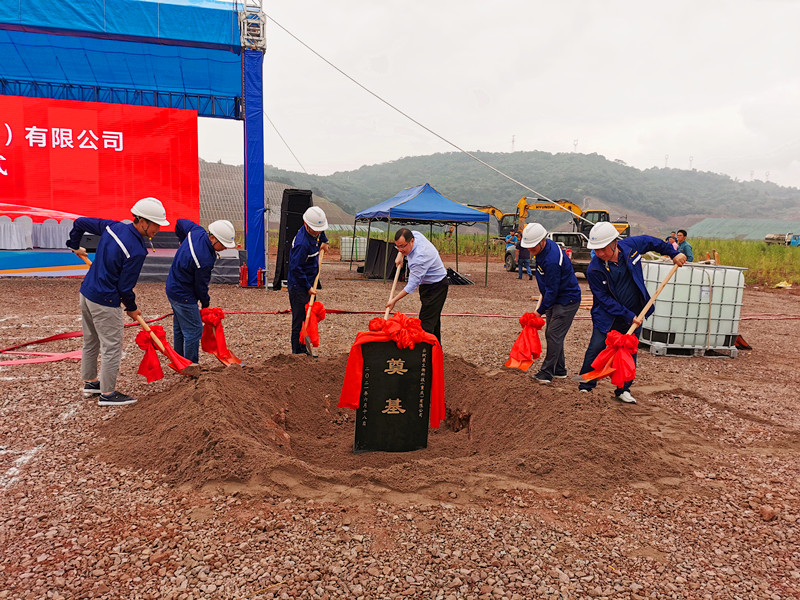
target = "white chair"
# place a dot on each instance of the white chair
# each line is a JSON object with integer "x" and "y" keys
{"x": 25, "y": 224}
{"x": 65, "y": 230}
{"x": 50, "y": 235}
{"x": 10, "y": 238}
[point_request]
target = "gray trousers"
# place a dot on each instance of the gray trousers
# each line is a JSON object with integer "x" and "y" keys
{"x": 102, "y": 336}
{"x": 559, "y": 320}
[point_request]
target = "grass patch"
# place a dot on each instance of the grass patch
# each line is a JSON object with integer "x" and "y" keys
{"x": 766, "y": 264}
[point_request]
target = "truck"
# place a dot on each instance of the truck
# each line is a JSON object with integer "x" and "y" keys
{"x": 574, "y": 244}
{"x": 783, "y": 239}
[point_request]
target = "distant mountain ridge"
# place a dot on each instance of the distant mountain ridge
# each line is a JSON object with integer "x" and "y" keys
{"x": 653, "y": 197}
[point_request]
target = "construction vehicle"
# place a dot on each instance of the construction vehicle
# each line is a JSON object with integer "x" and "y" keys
{"x": 582, "y": 220}
{"x": 783, "y": 239}
{"x": 574, "y": 245}
{"x": 582, "y": 223}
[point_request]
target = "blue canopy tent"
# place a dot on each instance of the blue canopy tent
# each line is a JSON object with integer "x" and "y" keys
{"x": 423, "y": 204}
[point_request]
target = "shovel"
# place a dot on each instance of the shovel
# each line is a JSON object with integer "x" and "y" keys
{"x": 307, "y": 339}
{"x": 608, "y": 369}
{"x": 394, "y": 284}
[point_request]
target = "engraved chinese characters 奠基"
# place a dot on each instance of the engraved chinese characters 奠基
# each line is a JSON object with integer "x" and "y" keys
{"x": 396, "y": 367}
{"x": 393, "y": 407}
{"x": 396, "y": 381}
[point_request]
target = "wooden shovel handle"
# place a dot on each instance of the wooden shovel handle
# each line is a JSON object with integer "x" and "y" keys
{"x": 151, "y": 332}
{"x": 650, "y": 302}
{"x": 314, "y": 287}
{"x": 394, "y": 284}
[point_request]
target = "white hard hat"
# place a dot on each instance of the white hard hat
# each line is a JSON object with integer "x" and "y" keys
{"x": 532, "y": 235}
{"x": 601, "y": 235}
{"x": 315, "y": 218}
{"x": 224, "y": 232}
{"x": 150, "y": 209}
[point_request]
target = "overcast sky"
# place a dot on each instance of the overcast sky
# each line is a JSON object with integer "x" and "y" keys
{"x": 711, "y": 84}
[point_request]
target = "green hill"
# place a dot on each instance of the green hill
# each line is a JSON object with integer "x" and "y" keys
{"x": 662, "y": 195}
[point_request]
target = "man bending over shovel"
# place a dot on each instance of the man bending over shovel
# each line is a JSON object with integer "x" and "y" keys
{"x": 109, "y": 284}
{"x": 303, "y": 269}
{"x": 188, "y": 279}
{"x": 426, "y": 272}
{"x": 617, "y": 284}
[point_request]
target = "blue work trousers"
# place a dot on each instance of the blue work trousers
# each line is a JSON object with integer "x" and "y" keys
{"x": 187, "y": 329}
{"x": 524, "y": 264}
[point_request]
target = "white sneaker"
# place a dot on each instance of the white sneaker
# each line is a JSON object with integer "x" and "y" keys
{"x": 626, "y": 397}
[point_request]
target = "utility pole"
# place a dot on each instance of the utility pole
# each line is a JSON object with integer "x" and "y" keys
{"x": 691, "y": 158}
{"x": 666, "y": 160}
{"x": 575, "y": 145}
{"x": 512, "y": 143}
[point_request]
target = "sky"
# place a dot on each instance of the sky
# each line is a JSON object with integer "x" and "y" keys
{"x": 712, "y": 85}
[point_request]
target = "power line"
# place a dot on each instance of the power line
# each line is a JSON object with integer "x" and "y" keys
{"x": 428, "y": 129}
{"x": 284, "y": 141}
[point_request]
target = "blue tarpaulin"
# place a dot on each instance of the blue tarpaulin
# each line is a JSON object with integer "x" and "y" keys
{"x": 422, "y": 203}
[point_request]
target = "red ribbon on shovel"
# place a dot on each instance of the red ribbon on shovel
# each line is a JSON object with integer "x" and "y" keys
{"x": 148, "y": 340}
{"x": 406, "y": 332}
{"x": 620, "y": 348}
{"x": 213, "y": 339}
{"x": 618, "y": 355}
{"x": 528, "y": 347}
{"x": 314, "y": 314}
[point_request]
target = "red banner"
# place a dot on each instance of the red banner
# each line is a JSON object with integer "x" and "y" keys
{"x": 98, "y": 159}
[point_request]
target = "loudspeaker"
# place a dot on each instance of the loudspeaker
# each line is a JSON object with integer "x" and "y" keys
{"x": 293, "y": 205}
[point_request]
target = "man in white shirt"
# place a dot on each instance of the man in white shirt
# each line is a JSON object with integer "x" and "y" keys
{"x": 426, "y": 272}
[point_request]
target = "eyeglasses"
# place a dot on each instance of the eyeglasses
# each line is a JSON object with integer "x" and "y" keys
{"x": 399, "y": 247}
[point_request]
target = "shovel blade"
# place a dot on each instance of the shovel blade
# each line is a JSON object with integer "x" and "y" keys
{"x": 599, "y": 373}
{"x": 310, "y": 347}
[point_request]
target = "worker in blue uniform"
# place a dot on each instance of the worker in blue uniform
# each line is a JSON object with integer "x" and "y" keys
{"x": 303, "y": 269}
{"x": 188, "y": 279}
{"x": 560, "y": 298}
{"x": 107, "y": 286}
{"x": 617, "y": 283}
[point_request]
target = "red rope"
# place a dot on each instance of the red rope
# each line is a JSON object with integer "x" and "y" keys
{"x": 52, "y": 357}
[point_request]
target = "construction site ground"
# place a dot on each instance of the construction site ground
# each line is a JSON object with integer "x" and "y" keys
{"x": 241, "y": 482}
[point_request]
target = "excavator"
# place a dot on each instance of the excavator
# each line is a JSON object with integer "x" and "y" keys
{"x": 582, "y": 220}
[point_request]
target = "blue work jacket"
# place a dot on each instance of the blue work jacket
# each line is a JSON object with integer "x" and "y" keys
{"x": 303, "y": 259}
{"x": 605, "y": 306}
{"x": 555, "y": 277}
{"x": 190, "y": 272}
{"x": 117, "y": 264}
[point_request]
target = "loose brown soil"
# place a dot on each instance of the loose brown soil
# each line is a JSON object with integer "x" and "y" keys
{"x": 241, "y": 482}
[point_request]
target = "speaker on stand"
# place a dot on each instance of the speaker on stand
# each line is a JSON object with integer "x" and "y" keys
{"x": 293, "y": 205}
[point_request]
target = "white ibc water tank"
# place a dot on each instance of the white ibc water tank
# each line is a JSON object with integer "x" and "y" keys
{"x": 358, "y": 251}
{"x": 700, "y": 308}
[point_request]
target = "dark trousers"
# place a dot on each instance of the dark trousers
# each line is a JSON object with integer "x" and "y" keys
{"x": 298, "y": 298}
{"x": 559, "y": 320}
{"x": 596, "y": 345}
{"x": 432, "y": 296}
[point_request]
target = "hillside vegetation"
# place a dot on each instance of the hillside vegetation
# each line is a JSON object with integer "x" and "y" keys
{"x": 656, "y": 192}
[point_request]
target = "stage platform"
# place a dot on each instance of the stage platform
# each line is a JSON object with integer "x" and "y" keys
{"x": 63, "y": 263}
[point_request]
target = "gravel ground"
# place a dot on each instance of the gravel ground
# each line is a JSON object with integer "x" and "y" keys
{"x": 73, "y": 525}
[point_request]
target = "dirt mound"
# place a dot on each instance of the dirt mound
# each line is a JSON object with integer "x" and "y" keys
{"x": 274, "y": 426}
